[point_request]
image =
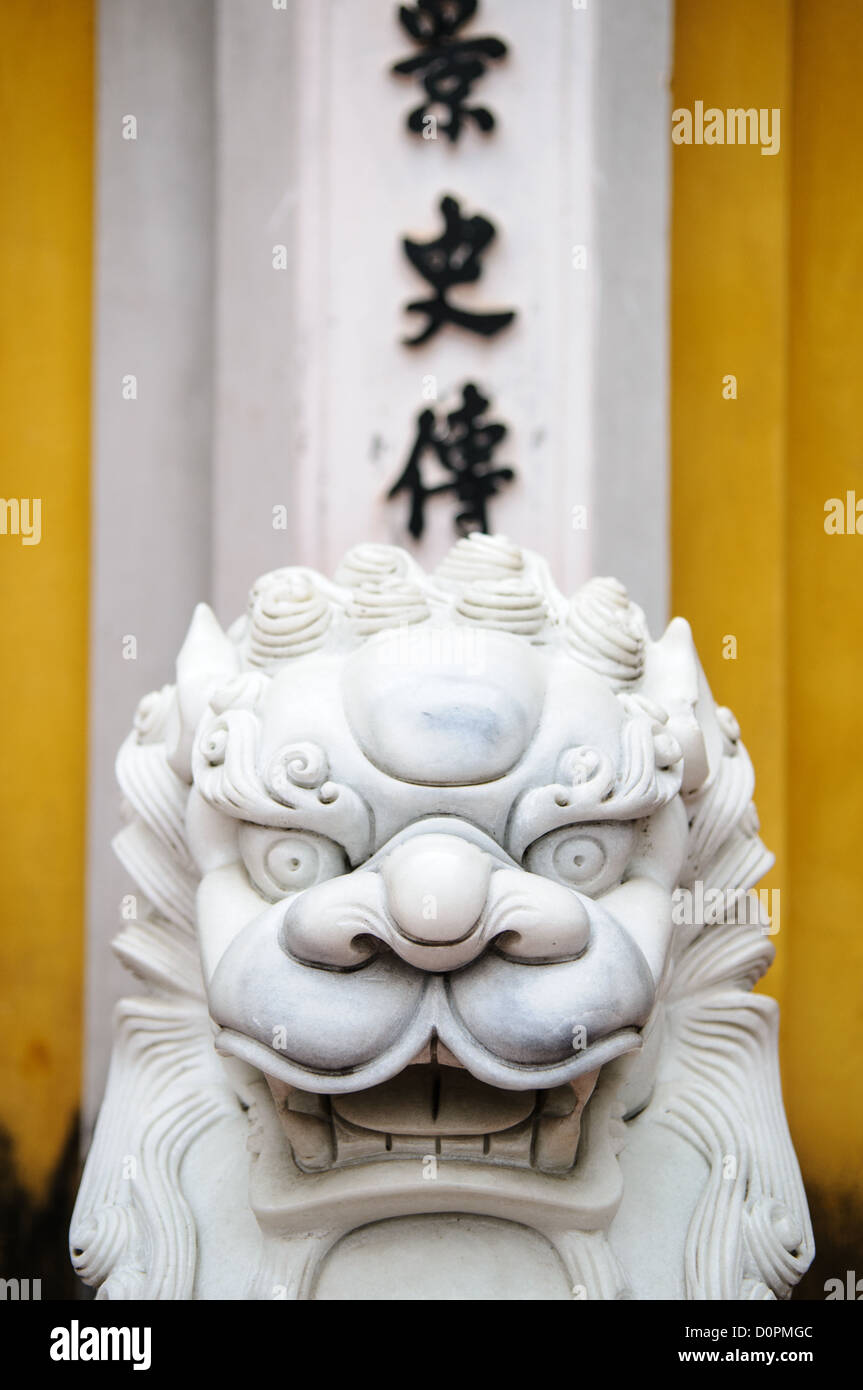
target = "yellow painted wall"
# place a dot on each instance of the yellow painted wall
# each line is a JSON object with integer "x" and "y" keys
{"x": 767, "y": 283}
{"x": 46, "y": 98}
{"x": 729, "y": 317}
{"x": 824, "y": 1045}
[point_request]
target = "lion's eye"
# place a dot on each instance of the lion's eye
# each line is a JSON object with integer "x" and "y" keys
{"x": 280, "y": 862}
{"x": 591, "y": 858}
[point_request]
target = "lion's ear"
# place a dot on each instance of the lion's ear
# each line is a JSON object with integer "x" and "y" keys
{"x": 207, "y": 657}
{"x": 674, "y": 678}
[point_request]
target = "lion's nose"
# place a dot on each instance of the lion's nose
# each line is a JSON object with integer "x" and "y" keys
{"x": 436, "y": 888}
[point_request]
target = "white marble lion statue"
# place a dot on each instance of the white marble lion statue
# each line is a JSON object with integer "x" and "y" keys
{"x": 445, "y": 943}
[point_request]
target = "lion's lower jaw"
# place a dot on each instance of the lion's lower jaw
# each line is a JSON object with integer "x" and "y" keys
{"x": 703, "y": 1201}
{"x": 523, "y": 1176}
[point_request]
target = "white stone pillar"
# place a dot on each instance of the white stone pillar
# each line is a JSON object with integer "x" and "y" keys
{"x": 259, "y": 387}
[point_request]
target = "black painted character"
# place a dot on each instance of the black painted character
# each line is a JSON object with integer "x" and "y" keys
{"x": 453, "y": 259}
{"x": 449, "y": 65}
{"x": 463, "y": 444}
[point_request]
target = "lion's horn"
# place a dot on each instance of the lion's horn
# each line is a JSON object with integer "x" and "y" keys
{"x": 206, "y": 657}
{"x": 674, "y": 678}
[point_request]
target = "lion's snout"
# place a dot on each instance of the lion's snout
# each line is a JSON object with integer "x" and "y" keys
{"x": 437, "y": 900}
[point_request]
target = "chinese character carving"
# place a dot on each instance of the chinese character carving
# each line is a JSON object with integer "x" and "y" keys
{"x": 448, "y": 65}
{"x": 453, "y": 259}
{"x": 463, "y": 444}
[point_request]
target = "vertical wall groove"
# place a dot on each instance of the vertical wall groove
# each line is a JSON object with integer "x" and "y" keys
{"x": 151, "y": 463}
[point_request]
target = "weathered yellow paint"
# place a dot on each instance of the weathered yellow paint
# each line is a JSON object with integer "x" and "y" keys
{"x": 46, "y": 85}
{"x": 729, "y": 318}
{"x": 767, "y": 283}
{"x": 824, "y": 1042}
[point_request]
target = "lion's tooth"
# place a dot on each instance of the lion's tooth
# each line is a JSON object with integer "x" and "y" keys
{"x": 307, "y": 1123}
{"x": 558, "y": 1127}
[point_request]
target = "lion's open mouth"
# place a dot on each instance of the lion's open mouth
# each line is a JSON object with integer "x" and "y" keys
{"x": 434, "y": 1110}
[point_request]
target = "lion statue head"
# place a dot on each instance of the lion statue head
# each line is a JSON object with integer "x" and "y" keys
{"x": 445, "y": 926}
